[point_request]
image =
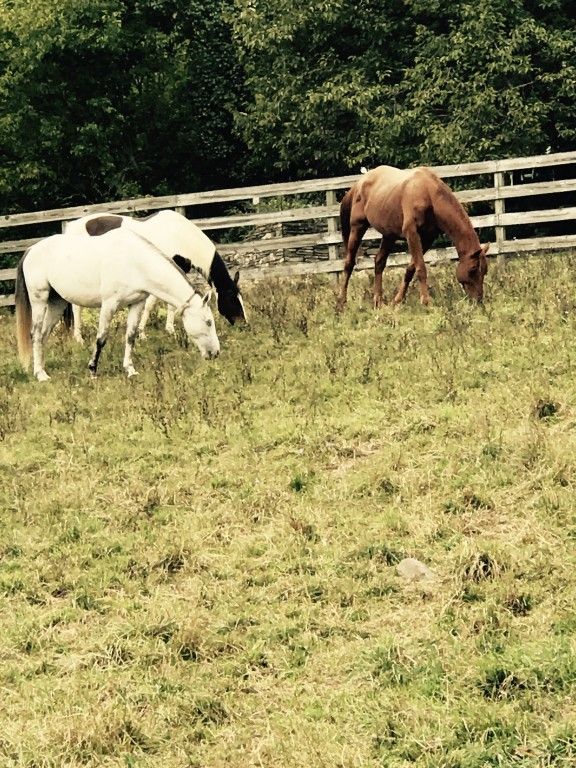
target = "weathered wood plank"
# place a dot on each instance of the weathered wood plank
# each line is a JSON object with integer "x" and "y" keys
{"x": 18, "y": 246}
{"x": 537, "y": 217}
{"x": 508, "y": 164}
{"x": 271, "y": 217}
{"x": 331, "y": 238}
{"x": 271, "y": 190}
{"x": 436, "y": 256}
{"x": 539, "y": 244}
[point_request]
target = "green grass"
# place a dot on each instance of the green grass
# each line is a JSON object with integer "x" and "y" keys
{"x": 197, "y": 566}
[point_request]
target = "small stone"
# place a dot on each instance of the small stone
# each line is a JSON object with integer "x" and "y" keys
{"x": 414, "y": 570}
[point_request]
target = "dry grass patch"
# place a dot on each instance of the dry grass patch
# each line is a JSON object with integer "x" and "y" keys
{"x": 198, "y": 567}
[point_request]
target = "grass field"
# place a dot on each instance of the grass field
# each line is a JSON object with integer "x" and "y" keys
{"x": 198, "y": 565}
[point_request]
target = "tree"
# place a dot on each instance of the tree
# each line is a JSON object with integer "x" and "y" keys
{"x": 319, "y": 75}
{"x": 102, "y": 100}
{"x": 334, "y": 84}
{"x": 500, "y": 82}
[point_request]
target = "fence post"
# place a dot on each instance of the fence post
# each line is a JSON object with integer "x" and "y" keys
{"x": 498, "y": 211}
{"x": 332, "y": 227}
{"x": 181, "y": 209}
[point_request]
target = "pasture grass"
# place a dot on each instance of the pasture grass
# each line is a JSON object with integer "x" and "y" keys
{"x": 198, "y": 565}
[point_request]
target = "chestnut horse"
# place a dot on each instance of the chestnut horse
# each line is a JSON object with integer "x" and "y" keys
{"x": 415, "y": 205}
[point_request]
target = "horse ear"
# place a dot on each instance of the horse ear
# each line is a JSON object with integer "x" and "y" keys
{"x": 182, "y": 262}
{"x": 485, "y": 248}
{"x": 237, "y": 277}
{"x": 207, "y": 298}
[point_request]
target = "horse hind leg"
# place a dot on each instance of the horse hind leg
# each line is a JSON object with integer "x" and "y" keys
{"x": 39, "y": 309}
{"x": 357, "y": 232}
{"x": 77, "y": 315}
{"x": 170, "y": 315}
{"x": 54, "y": 311}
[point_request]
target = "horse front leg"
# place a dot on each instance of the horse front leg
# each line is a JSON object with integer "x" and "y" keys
{"x": 107, "y": 311}
{"x": 132, "y": 325}
{"x": 416, "y": 266}
{"x": 170, "y": 315}
{"x": 357, "y": 232}
{"x": 149, "y": 305}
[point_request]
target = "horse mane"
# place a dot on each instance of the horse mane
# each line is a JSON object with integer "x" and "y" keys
{"x": 452, "y": 216}
{"x": 219, "y": 275}
{"x": 205, "y": 274}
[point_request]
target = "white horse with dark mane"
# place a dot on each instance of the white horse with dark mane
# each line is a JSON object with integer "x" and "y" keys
{"x": 119, "y": 269}
{"x": 181, "y": 240}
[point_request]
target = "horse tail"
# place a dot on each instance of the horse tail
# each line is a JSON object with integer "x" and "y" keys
{"x": 23, "y": 316}
{"x": 345, "y": 211}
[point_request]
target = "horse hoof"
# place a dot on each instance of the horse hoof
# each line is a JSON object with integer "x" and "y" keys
{"x": 42, "y": 376}
{"x": 131, "y": 372}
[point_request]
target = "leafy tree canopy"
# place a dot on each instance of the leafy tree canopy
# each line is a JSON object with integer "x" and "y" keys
{"x": 336, "y": 84}
{"x": 102, "y": 99}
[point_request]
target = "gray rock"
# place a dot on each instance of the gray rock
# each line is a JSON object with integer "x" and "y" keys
{"x": 414, "y": 570}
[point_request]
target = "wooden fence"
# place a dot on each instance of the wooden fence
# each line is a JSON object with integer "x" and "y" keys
{"x": 262, "y": 214}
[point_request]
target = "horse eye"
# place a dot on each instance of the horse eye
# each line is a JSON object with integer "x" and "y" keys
{"x": 209, "y": 323}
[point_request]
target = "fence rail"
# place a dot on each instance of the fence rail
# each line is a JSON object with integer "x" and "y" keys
{"x": 503, "y": 181}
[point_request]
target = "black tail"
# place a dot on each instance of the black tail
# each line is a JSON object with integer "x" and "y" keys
{"x": 345, "y": 210}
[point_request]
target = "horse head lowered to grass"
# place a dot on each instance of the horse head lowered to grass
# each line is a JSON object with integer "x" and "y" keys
{"x": 119, "y": 269}
{"x": 415, "y": 205}
{"x": 180, "y": 239}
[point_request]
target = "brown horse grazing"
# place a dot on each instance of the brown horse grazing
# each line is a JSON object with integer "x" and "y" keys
{"x": 417, "y": 206}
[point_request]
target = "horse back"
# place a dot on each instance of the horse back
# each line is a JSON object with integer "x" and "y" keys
{"x": 70, "y": 265}
{"x": 397, "y": 197}
{"x": 381, "y": 195}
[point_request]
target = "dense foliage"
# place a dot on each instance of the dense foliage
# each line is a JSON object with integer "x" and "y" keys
{"x": 105, "y": 100}
{"x": 335, "y": 84}
{"x": 102, "y": 100}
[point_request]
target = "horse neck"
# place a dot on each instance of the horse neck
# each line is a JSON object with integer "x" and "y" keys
{"x": 175, "y": 234}
{"x": 455, "y": 222}
{"x": 165, "y": 280}
{"x": 218, "y": 275}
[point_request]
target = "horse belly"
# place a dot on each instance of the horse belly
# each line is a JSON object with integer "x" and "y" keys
{"x": 385, "y": 215}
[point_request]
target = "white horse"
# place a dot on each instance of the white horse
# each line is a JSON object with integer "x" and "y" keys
{"x": 180, "y": 239}
{"x": 120, "y": 269}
